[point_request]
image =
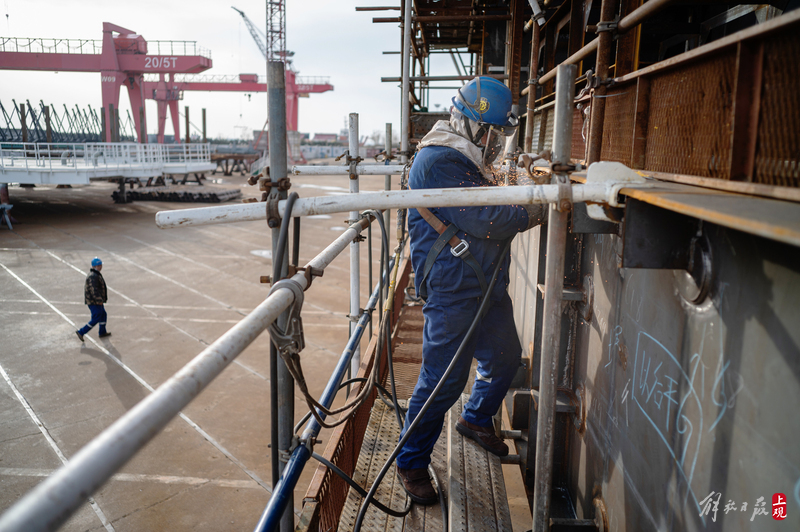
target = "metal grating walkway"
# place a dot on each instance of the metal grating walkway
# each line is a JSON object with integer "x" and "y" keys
{"x": 379, "y": 440}
{"x": 472, "y": 479}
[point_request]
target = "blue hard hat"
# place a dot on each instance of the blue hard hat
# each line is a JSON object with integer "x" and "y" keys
{"x": 96, "y": 262}
{"x": 486, "y": 101}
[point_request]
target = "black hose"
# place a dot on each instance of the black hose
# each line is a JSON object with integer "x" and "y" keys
{"x": 368, "y": 499}
{"x": 381, "y": 389}
{"x": 387, "y": 324}
{"x": 361, "y": 491}
{"x": 277, "y": 270}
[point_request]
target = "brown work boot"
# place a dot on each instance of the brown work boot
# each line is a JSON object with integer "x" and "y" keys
{"x": 484, "y": 436}
{"x": 417, "y": 484}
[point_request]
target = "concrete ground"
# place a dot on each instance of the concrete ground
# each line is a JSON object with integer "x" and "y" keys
{"x": 171, "y": 293}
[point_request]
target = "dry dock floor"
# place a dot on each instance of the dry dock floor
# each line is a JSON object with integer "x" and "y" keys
{"x": 171, "y": 293}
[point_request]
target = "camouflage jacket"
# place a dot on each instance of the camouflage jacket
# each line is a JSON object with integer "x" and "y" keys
{"x": 94, "y": 291}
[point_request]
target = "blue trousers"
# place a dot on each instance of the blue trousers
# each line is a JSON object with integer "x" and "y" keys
{"x": 98, "y": 316}
{"x": 495, "y": 345}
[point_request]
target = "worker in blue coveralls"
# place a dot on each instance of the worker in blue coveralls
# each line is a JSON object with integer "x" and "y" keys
{"x": 95, "y": 295}
{"x": 454, "y": 251}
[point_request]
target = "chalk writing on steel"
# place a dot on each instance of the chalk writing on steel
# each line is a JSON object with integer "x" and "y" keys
{"x": 670, "y": 397}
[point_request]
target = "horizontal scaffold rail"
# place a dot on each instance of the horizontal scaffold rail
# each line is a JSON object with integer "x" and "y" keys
{"x": 442, "y": 197}
{"x": 361, "y": 169}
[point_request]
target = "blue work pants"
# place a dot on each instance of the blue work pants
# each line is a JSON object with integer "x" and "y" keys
{"x": 494, "y": 344}
{"x": 98, "y": 316}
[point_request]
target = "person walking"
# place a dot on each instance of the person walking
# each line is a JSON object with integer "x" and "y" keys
{"x": 95, "y": 295}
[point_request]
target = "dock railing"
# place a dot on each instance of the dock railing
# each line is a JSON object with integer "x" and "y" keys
{"x": 99, "y": 159}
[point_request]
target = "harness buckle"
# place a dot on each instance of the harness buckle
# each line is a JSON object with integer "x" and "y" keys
{"x": 460, "y": 249}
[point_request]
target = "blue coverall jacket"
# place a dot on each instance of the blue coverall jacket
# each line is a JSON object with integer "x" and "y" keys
{"x": 454, "y": 294}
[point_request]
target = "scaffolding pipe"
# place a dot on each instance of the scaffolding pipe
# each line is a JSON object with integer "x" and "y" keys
{"x": 52, "y": 502}
{"x": 608, "y": 8}
{"x": 395, "y": 199}
{"x": 360, "y": 169}
{"x": 634, "y": 18}
{"x": 281, "y": 381}
{"x": 533, "y": 69}
{"x": 443, "y": 78}
{"x": 406, "y": 89}
{"x": 554, "y": 287}
{"x": 278, "y": 502}
{"x": 355, "y": 256}
{"x": 387, "y": 179}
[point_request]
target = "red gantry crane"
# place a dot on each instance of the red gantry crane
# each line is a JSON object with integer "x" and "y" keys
{"x": 122, "y": 58}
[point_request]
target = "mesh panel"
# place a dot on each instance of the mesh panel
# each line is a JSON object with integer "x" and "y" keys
{"x": 549, "y": 114}
{"x": 778, "y": 152}
{"x": 578, "y": 143}
{"x": 618, "y": 120}
{"x": 689, "y": 129}
{"x": 537, "y": 122}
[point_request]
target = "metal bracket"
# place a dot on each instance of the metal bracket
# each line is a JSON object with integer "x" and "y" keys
{"x": 564, "y": 197}
{"x": 591, "y": 83}
{"x": 384, "y": 157}
{"x": 353, "y": 162}
{"x": 355, "y": 319}
{"x": 291, "y": 341}
{"x": 608, "y": 25}
{"x": 273, "y": 216}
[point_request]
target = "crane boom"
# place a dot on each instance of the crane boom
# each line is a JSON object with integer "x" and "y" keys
{"x": 253, "y": 32}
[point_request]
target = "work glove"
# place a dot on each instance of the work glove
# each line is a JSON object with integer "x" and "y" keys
{"x": 537, "y": 214}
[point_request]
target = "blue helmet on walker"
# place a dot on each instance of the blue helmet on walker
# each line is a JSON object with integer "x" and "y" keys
{"x": 96, "y": 262}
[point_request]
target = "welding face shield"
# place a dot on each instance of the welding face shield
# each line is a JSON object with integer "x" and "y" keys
{"x": 494, "y": 142}
{"x": 484, "y": 105}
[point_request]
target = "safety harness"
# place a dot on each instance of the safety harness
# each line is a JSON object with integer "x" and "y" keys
{"x": 458, "y": 248}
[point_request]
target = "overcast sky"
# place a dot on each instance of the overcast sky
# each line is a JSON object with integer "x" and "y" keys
{"x": 329, "y": 38}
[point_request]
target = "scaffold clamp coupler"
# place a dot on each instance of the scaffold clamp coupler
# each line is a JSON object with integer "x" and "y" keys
{"x": 310, "y": 272}
{"x": 273, "y": 215}
{"x": 290, "y": 341}
{"x": 284, "y": 184}
{"x": 564, "y": 196}
{"x": 607, "y": 25}
{"x": 559, "y": 168}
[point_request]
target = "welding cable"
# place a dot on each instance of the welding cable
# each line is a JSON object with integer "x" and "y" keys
{"x": 386, "y": 322}
{"x": 294, "y": 366}
{"x": 442, "y": 497}
{"x": 412, "y": 427}
{"x": 380, "y": 388}
{"x": 361, "y": 491}
{"x": 277, "y": 267}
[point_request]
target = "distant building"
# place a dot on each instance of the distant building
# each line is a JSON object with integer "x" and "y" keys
{"x": 325, "y": 137}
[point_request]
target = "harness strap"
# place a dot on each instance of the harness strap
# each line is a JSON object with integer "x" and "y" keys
{"x": 459, "y": 248}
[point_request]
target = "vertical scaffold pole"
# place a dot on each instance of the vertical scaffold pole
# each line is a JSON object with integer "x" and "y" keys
{"x": 533, "y": 68}
{"x": 387, "y": 179}
{"x": 355, "y": 258}
{"x": 283, "y": 394}
{"x": 554, "y": 287}
{"x": 406, "y": 102}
